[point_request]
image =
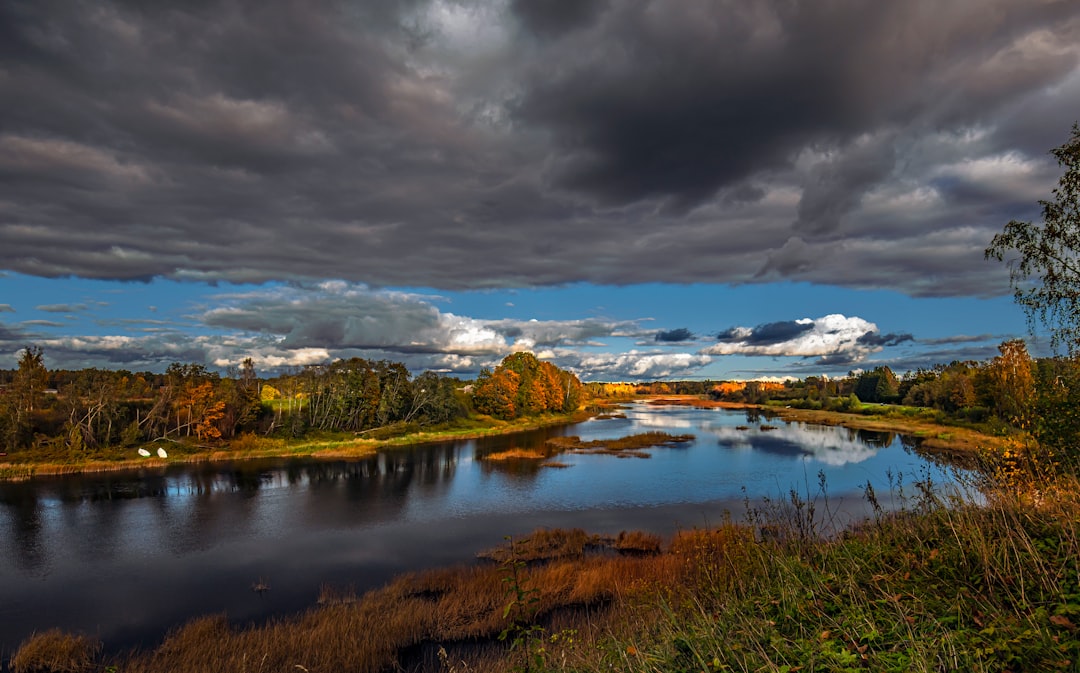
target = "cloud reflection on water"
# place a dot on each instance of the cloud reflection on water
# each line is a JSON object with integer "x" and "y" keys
{"x": 830, "y": 445}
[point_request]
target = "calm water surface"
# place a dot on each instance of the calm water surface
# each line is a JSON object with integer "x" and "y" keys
{"x": 125, "y": 556}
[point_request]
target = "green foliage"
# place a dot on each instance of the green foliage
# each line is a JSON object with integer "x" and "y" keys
{"x": 358, "y": 395}
{"x": 1049, "y": 253}
{"x": 877, "y": 385}
{"x": 1055, "y": 409}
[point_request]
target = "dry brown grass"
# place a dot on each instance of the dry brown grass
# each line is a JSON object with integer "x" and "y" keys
{"x": 402, "y": 626}
{"x": 516, "y": 454}
{"x": 544, "y": 545}
{"x": 623, "y": 447}
{"x": 638, "y": 542}
{"x": 56, "y": 652}
{"x": 887, "y": 589}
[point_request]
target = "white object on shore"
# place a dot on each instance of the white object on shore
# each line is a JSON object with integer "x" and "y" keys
{"x": 144, "y": 453}
{"x": 162, "y": 454}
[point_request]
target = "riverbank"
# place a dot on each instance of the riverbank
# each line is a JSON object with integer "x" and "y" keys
{"x": 947, "y": 441}
{"x": 937, "y": 585}
{"x": 250, "y": 447}
{"x": 950, "y": 441}
{"x": 658, "y": 607}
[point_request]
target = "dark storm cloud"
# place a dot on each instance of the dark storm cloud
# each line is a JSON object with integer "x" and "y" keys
{"x": 675, "y": 335}
{"x": 834, "y": 187}
{"x": 482, "y": 144}
{"x": 767, "y": 334}
{"x": 890, "y": 339}
{"x": 907, "y": 362}
{"x": 963, "y": 339}
{"x": 929, "y": 359}
{"x": 679, "y": 102}
{"x": 13, "y": 333}
{"x": 548, "y": 18}
{"x": 837, "y": 359}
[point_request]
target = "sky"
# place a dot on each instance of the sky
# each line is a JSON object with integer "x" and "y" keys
{"x": 632, "y": 189}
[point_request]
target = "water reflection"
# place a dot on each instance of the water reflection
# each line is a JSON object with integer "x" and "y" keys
{"x": 828, "y": 445}
{"x": 126, "y": 555}
{"x": 25, "y": 529}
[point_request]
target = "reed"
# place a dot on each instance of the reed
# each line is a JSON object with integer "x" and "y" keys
{"x": 516, "y": 454}
{"x": 54, "y": 651}
{"x": 545, "y": 544}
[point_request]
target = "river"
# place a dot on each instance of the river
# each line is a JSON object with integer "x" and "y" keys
{"x": 124, "y": 556}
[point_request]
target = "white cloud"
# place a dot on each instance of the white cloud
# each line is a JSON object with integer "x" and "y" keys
{"x": 342, "y": 317}
{"x": 637, "y": 365}
{"x": 828, "y": 336}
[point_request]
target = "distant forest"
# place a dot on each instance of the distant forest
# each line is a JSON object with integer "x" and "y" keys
{"x": 1008, "y": 393}
{"x": 83, "y": 410}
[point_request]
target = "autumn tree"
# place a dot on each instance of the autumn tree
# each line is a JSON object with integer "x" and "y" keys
{"x": 535, "y": 387}
{"x": 198, "y": 410}
{"x": 1012, "y": 382}
{"x": 496, "y": 393}
{"x": 188, "y": 402}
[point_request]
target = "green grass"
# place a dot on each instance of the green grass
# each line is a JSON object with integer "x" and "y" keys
{"x": 942, "y": 586}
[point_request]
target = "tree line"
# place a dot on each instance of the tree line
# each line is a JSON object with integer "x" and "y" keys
{"x": 87, "y": 409}
{"x": 1040, "y": 396}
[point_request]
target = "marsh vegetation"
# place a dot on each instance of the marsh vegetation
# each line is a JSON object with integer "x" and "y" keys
{"x": 938, "y": 584}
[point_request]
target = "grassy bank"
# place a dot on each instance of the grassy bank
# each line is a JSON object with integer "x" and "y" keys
{"x": 631, "y": 446}
{"x": 936, "y": 586}
{"x": 50, "y": 461}
{"x": 951, "y": 440}
{"x": 928, "y": 426}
